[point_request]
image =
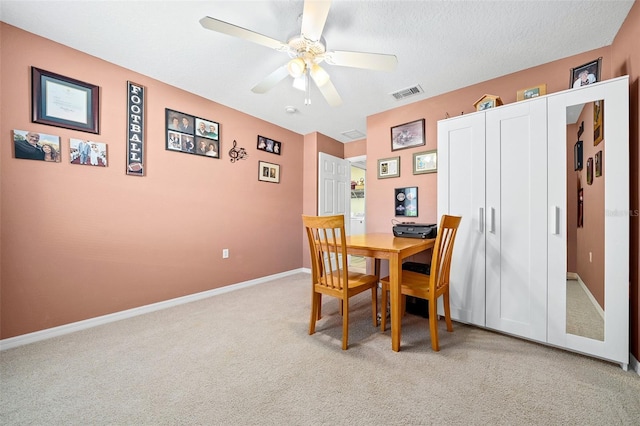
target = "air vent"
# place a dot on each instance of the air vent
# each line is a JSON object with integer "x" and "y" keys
{"x": 353, "y": 134}
{"x": 405, "y": 93}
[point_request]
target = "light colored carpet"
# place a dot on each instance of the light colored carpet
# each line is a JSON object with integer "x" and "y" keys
{"x": 583, "y": 318}
{"x": 245, "y": 358}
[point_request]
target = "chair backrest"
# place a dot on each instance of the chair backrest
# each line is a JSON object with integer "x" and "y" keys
{"x": 442, "y": 251}
{"x": 328, "y": 249}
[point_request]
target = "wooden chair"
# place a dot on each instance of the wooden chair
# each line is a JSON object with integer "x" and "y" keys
{"x": 432, "y": 286}
{"x": 329, "y": 272}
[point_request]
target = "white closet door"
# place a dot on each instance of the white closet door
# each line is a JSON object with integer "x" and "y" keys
{"x": 461, "y": 192}
{"x": 517, "y": 219}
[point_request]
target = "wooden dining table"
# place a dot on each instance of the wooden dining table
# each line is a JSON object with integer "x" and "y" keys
{"x": 395, "y": 249}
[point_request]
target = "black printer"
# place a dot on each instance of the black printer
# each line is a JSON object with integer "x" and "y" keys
{"x": 415, "y": 230}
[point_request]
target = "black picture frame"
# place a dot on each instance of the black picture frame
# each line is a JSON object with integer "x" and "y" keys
{"x": 268, "y": 172}
{"x": 590, "y": 171}
{"x": 64, "y": 102}
{"x": 185, "y": 133}
{"x": 585, "y": 74}
{"x": 406, "y": 201}
{"x": 577, "y": 156}
{"x": 408, "y": 135}
{"x": 598, "y": 163}
{"x": 269, "y": 145}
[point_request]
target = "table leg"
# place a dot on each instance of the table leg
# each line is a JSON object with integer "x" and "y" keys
{"x": 395, "y": 277}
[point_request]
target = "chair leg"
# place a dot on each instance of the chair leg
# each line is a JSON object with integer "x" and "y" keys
{"x": 374, "y": 305}
{"x": 383, "y": 309}
{"x": 447, "y": 311}
{"x": 319, "y": 307}
{"x": 315, "y": 307}
{"x": 433, "y": 324}
{"x": 345, "y": 324}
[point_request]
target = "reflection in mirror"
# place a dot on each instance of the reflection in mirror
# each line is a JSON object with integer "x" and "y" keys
{"x": 585, "y": 220}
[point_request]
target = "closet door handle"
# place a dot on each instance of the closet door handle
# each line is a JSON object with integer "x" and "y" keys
{"x": 555, "y": 220}
{"x": 492, "y": 221}
{"x": 481, "y": 220}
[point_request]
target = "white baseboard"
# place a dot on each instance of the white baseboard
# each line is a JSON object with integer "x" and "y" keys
{"x": 49, "y": 333}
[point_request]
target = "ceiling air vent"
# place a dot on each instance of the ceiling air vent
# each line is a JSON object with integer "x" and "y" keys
{"x": 405, "y": 93}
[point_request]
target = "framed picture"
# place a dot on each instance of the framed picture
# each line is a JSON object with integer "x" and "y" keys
{"x": 192, "y": 135}
{"x": 268, "y": 172}
{"x": 531, "y": 92}
{"x": 585, "y": 74}
{"x": 589, "y": 171}
{"x": 406, "y": 201}
{"x": 389, "y": 167}
{"x": 269, "y": 145}
{"x": 577, "y": 156}
{"x": 87, "y": 152}
{"x": 425, "y": 162}
{"x": 598, "y": 127}
{"x": 580, "y": 208}
{"x": 408, "y": 135}
{"x": 598, "y": 161}
{"x": 64, "y": 102}
{"x": 36, "y": 146}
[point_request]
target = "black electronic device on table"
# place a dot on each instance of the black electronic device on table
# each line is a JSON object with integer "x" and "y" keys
{"x": 415, "y": 230}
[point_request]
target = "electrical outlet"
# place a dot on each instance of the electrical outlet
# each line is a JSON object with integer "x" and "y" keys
{"x": 225, "y": 253}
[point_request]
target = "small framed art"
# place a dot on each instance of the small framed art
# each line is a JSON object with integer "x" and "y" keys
{"x": 585, "y": 74}
{"x": 268, "y": 172}
{"x": 192, "y": 135}
{"x": 64, "y": 102}
{"x": 408, "y": 135}
{"x": 406, "y": 201}
{"x": 425, "y": 162}
{"x": 269, "y": 145}
{"x": 598, "y": 161}
{"x": 388, "y": 167}
{"x": 577, "y": 156}
{"x": 589, "y": 171}
{"x": 598, "y": 128}
{"x": 87, "y": 153}
{"x": 531, "y": 92}
{"x": 36, "y": 146}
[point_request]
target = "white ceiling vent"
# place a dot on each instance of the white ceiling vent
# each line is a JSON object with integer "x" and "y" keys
{"x": 409, "y": 91}
{"x": 354, "y": 134}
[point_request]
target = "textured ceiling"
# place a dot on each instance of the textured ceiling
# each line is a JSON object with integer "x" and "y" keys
{"x": 440, "y": 45}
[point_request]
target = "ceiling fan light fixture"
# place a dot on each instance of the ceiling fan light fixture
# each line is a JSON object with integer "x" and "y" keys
{"x": 319, "y": 75}
{"x": 296, "y": 67}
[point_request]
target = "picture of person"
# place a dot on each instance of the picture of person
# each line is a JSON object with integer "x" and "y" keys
{"x": 269, "y": 145}
{"x": 84, "y": 150}
{"x": 202, "y": 147}
{"x": 174, "y": 141}
{"x": 212, "y": 150}
{"x": 186, "y": 125}
{"x": 36, "y": 146}
{"x": 97, "y": 155}
{"x": 206, "y": 129}
{"x": 212, "y": 132}
{"x": 585, "y": 77}
{"x": 50, "y": 153}
{"x": 202, "y": 129}
{"x": 187, "y": 143}
{"x": 262, "y": 143}
{"x": 276, "y": 148}
{"x": 174, "y": 123}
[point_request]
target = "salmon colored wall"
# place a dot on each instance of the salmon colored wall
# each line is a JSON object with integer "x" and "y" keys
{"x": 355, "y": 148}
{"x": 79, "y": 241}
{"x": 626, "y": 61}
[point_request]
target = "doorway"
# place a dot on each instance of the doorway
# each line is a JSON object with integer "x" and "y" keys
{"x": 358, "y": 219}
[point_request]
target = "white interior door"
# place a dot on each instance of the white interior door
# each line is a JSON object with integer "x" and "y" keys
{"x": 334, "y": 187}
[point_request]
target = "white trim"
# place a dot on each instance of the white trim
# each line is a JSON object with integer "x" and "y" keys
{"x": 49, "y": 333}
{"x": 591, "y": 298}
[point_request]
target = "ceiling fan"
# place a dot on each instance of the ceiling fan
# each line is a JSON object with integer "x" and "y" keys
{"x": 306, "y": 50}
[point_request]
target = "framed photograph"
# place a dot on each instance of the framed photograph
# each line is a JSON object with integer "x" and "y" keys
{"x": 389, "y": 167}
{"x": 589, "y": 171}
{"x": 408, "y": 135}
{"x": 531, "y": 92}
{"x": 406, "y": 201}
{"x": 192, "y": 135}
{"x": 64, "y": 102}
{"x": 598, "y": 128}
{"x": 268, "y": 172}
{"x": 269, "y": 145}
{"x": 577, "y": 156}
{"x": 598, "y": 161}
{"x": 580, "y": 208}
{"x": 425, "y": 162}
{"x": 89, "y": 153}
{"x": 36, "y": 146}
{"x": 585, "y": 74}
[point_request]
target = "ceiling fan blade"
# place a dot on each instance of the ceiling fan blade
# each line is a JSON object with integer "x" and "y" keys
{"x": 271, "y": 80}
{"x": 370, "y": 61}
{"x": 314, "y": 16}
{"x": 330, "y": 93}
{"x": 235, "y": 31}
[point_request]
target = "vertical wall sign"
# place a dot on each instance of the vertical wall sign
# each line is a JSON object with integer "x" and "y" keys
{"x": 135, "y": 129}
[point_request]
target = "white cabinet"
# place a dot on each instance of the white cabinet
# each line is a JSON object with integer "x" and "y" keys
{"x": 504, "y": 170}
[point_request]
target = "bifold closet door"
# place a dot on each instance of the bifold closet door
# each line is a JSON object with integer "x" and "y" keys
{"x": 461, "y": 192}
{"x": 516, "y": 215}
